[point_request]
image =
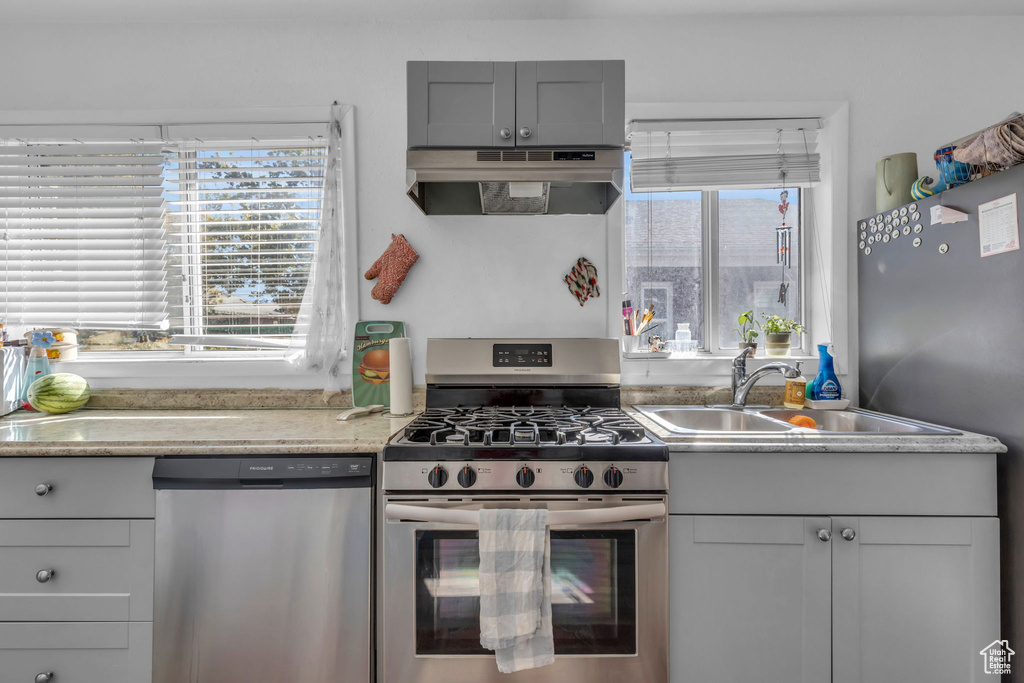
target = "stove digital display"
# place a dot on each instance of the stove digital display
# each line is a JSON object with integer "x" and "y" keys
{"x": 522, "y": 355}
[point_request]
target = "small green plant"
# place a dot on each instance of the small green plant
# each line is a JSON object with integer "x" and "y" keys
{"x": 746, "y": 329}
{"x": 774, "y": 324}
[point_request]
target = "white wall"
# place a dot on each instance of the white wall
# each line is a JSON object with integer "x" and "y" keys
{"x": 912, "y": 84}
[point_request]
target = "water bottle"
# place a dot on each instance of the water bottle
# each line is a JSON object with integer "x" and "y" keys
{"x": 825, "y": 385}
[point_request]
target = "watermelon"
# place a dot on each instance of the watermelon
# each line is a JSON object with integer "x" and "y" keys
{"x": 59, "y": 393}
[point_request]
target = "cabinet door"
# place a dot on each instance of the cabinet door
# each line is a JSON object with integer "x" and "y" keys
{"x": 102, "y": 569}
{"x": 749, "y": 599}
{"x": 461, "y": 104}
{"x": 76, "y": 652}
{"x": 576, "y": 103}
{"x": 915, "y": 599}
{"x": 76, "y": 488}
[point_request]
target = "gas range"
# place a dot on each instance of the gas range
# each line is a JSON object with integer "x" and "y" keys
{"x": 512, "y": 415}
{"x": 525, "y": 424}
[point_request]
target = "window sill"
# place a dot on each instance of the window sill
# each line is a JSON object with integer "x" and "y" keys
{"x": 705, "y": 370}
{"x": 228, "y": 371}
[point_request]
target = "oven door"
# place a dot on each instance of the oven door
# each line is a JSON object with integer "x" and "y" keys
{"x": 609, "y": 593}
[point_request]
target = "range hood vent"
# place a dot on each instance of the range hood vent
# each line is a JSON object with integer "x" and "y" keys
{"x": 449, "y": 182}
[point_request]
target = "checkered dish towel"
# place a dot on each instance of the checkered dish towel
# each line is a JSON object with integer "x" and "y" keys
{"x": 515, "y": 588}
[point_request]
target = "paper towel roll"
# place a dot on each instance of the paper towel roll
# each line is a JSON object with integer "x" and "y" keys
{"x": 401, "y": 376}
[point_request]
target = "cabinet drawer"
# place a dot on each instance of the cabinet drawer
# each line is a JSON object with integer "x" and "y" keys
{"x": 102, "y": 570}
{"x": 77, "y": 653}
{"x": 80, "y": 487}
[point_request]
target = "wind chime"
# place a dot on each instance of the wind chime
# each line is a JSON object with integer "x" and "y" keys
{"x": 783, "y": 253}
{"x": 783, "y": 233}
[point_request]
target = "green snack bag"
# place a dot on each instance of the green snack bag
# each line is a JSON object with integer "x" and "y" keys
{"x": 371, "y": 361}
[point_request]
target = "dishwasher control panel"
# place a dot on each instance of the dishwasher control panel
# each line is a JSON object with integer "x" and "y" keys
{"x": 301, "y": 471}
{"x": 294, "y": 468}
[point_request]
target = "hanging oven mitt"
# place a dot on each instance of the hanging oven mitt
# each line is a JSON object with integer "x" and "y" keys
{"x": 582, "y": 280}
{"x": 392, "y": 267}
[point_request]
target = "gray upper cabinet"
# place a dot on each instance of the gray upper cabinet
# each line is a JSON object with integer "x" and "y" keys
{"x": 516, "y": 104}
{"x": 914, "y": 598}
{"x": 570, "y": 104}
{"x": 462, "y": 104}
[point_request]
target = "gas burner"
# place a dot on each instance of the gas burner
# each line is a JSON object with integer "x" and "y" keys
{"x": 523, "y": 426}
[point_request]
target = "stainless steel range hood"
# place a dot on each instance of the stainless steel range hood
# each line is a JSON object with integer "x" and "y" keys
{"x": 451, "y": 182}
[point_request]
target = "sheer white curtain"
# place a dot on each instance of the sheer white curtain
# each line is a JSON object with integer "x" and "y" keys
{"x": 321, "y": 331}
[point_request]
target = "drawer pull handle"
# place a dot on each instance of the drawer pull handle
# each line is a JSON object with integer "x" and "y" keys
{"x": 44, "y": 575}
{"x": 43, "y": 489}
{"x": 44, "y": 677}
{"x": 849, "y": 534}
{"x": 824, "y": 534}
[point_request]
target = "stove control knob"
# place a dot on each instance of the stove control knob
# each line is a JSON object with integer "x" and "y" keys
{"x": 466, "y": 476}
{"x": 613, "y": 477}
{"x": 437, "y": 476}
{"x": 525, "y": 477}
{"x": 584, "y": 476}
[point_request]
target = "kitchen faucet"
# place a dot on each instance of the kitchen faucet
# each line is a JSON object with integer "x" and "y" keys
{"x": 741, "y": 382}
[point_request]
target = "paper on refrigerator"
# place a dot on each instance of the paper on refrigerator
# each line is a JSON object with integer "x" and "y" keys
{"x": 997, "y": 226}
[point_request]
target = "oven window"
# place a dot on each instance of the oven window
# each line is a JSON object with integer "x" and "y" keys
{"x": 593, "y": 592}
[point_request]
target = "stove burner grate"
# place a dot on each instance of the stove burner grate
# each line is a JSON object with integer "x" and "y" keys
{"x": 520, "y": 426}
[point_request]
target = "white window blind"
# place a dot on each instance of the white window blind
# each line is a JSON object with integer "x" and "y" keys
{"x": 82, "y": 241}
{"x": 244, "y": 221}
{"x": 679, "y": 155}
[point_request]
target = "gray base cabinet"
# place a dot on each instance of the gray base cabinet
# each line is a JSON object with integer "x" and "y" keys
{"x": 749, "y": 599}
{"x": 832, "y": 567}
{"x": 77, "y": 652}
{"x": 846, "y": 599}
{"x": 77, "y": 541}
{"x": 914, "y": 598}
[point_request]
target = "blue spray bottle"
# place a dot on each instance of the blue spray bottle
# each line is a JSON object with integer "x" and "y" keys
{"x": 825, "y": 385}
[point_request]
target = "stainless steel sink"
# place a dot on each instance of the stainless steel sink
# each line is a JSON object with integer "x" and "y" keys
{"x": 857, "y": 422}
{"x": 701, "y": 419}
{"x": 686, "y": 419}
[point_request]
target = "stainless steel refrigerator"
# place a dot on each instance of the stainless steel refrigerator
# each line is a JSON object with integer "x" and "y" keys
{"x": 942, "y": 339}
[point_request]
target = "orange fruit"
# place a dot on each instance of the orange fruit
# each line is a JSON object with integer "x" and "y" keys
{"x": 803, "y": 421}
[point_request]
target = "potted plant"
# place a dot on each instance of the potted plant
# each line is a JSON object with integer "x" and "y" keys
{"x": 778, "y": 334}
{"x": 747, "y": 333}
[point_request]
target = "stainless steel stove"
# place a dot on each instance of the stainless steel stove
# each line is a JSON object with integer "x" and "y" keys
{"x": 525, "y": 423}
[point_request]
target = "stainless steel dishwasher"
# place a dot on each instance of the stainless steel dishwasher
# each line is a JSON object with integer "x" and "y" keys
{"x": 263, "y": 569}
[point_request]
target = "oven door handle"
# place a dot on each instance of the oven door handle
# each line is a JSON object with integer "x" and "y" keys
{"x": 622, "y": 513}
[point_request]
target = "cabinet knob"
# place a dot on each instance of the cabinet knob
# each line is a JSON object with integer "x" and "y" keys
{"x": 43, "y": 489}
{"x": 44, "y": 575}
{"x": 849, "y": 534}
{"x": 525, "y": 132}
{"x": 506, "y": 133}
{"x": 824, "y": 534}
{"x": 44, "y": 677}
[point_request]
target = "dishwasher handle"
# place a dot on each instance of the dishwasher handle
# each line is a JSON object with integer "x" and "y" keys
{"x": 609, "y": 515}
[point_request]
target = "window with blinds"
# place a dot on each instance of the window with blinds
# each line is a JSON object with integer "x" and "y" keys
{"x": 713, "y": 222}
{"x": 82, "y": 241}
{"x": 683, "y": 154}
{"x": 180, "y": 245}
{"x": 243, "y": 222}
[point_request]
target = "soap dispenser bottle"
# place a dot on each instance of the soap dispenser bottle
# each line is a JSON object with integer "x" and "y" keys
{"x": 796, "y": 391}
{"x": 825, "y": 385}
